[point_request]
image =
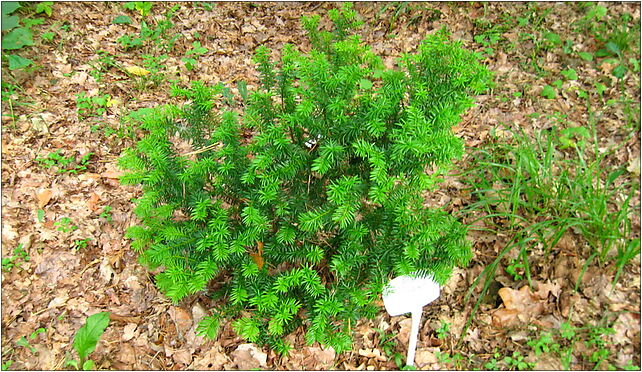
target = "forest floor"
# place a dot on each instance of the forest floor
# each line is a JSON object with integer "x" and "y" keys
{"x": 65, "y": 257}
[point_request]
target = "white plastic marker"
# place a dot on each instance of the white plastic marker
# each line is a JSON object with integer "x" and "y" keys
{"x": 409, "y": 294}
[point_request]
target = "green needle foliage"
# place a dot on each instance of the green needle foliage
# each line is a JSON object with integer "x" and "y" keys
{"x": 312, "y": 215}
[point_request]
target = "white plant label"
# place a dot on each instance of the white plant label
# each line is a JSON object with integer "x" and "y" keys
{"x": 409, "y": 294}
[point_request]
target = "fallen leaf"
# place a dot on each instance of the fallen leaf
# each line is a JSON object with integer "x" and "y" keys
{"x": 473, "y": 339}
{"x": 505, "y": 318}
{"x": 404, "y": 331}
{"x": 545, "y": 288}
{"x": 425, "y": 356}
{"x": 634, "y": 166}
{"x": 547, "y": 362}
{"x": 350, "y": 367}
{"x": 44, "y": 196}
{"x": 198, "y": 312}
{"x": 79, "y": 78}
{"x": 373, "y": 353}
{"x": 127, "y": 354}
{"x": 58, "y": 301}
{"x": 316, "y": 358}
{"x": 106, "y": 270}
{"x": 123, "y": 318}
{"x": 248, "y": 356}
{"x": 138, "y": 71}
{"x": 520, "y": 306}
{"x": 93, "y": 200}
{"x": 182, "y": 318}
{"x": 39, "y": 124}
{"x": 113, "y": 174}
{"x": 183, "y": 357}
{"x": 626, "y": 328}
{"x": 26, "y": 241}
{"x": 213, "y": 359}
{"x": 129, "y": 331}
{"x": 88, "y": 176}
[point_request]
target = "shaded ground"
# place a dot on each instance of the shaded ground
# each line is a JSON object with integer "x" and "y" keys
{"x": 65, "y": 280}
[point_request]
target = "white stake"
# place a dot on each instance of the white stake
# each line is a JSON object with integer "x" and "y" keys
{"x": 409, "y": 294}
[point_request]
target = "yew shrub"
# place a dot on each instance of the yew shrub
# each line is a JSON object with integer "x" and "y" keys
{"x": 310, "y": 199}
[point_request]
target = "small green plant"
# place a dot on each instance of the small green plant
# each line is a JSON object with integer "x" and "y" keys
{"x": 197, "y": 50}
{"x": 388, "y": 345}
{"x": 569, "y": 74}
{"x": 456, "y": 360}
{"x": 86, "y": 340}
{"x": 616, "y": 37}
{"x": 534, "y": 177}
{"x": 15, "y": 260}
{"x": 16, "y": 38}
{"x": 143, "y": 7}
{"x": 106, "y": 214}
{"x": 122, "y": 20}
{"x": 87, "y": 106}
{"x": 65, "y": 225}
{"x": 35, "y": 333}
{"x": 102, "y": 64}
{"x": 65, "y": 164}
{"x": 629, "y": 366}
{"x": 45, "y": 7}
{"x": 155, "y": 65}
{"x": 487, "y": 40}
{"x": 22, "y": 341}
{"x": 549, "y": 92}
{"x": 544, "y": 344}
{"x": 443, "y": 331}
{"x": 6, "y": 365}
{"x": 492, "y": 364}
{"x": 48, "y": 36}
{"x": 516, "y": 362}
{"x": 153, "y": 36}
{"x": 81, "y": 243}
{"x": 516, "y": 269}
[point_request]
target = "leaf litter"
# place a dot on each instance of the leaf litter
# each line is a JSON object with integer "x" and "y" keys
{"x": 61, "y": 284}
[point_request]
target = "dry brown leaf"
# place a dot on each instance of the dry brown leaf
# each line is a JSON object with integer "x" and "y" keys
{"x": 519, "y": 305}
{"x": 634, "y": 166}
{"x": 182, "y": 356}
{"x": 113, "y": 174}
{"x": 373, "y": 353}
{"x": 127, "y": 355}
{"x": 350, "y": 367}
{"x": 505, "y": 317}
{"x": 315, "y": 358}
{"x": 93, "y": 200}
{"x": 182, "y": 318}
{"x": 123, "y": 318}
{"x": 213, "y": 359}
{"x": 44, "y": 196}
{"x": 248, "y": 356}
{"x": 107, "y": 272}
{"x": 545, "y": 288}
{"x": 473, "y": 339}
{"x": 546, "y": 362}
{"x": 58, "y": 301}
{"x": 129, "y": 331}
{"x": 404, "y": 331}
{"x": 426, "y": 356}
{"x": 626, "y": 327}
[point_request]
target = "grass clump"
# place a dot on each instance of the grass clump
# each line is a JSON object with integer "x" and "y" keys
{"x": 540, "y": 187}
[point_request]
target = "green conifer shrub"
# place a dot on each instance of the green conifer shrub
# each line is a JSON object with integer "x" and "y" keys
{"x": 310, "y": 200}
